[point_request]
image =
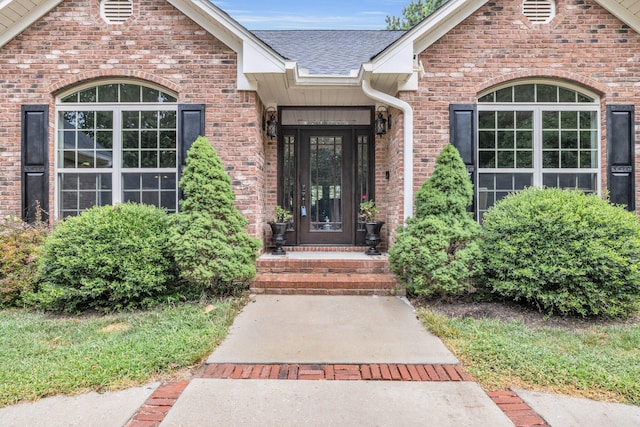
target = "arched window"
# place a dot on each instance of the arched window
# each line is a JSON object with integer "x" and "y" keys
{"x": 536, "y": 134}
{"x": 116, "y": 142}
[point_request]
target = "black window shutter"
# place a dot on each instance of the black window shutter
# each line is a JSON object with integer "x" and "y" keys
{"x": 35, "y": 161}
{"x": 462, "y": 132}
{"x": 190, "y": 127}
{"x": 620, "y": 154}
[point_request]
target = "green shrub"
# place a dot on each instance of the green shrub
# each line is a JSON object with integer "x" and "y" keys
{"x": 19, "y": 250}
{"x": 107, "y": 258}
{"x": 435, "y": 254}
{"x": 211, "y": 248}
{"x": 564, "y": 252}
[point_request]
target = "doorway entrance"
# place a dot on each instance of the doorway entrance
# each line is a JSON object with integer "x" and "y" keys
{"x": 326, "y": 194}
{"x": 324, "y": 171}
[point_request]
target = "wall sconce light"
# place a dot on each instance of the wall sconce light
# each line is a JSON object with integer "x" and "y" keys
{"x": 381, "y": 123}
{"x": 270, "y": 125}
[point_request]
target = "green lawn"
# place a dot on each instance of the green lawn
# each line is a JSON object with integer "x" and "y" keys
{"x": 42, "y": 355}
{"x": 601, "y": 362}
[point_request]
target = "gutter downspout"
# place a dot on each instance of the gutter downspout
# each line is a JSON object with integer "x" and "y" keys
{"x": 408, "y": 138}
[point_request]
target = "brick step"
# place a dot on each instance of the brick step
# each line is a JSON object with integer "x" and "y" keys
{"x": 288, "y": 265}
{"x": 325, "y": 284}
{"x": 327, "y": 248}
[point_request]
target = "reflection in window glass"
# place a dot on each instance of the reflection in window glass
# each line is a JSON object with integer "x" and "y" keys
{"x": 80, "y": 191}
{"x": 494, "y": 186}
{"x": 157, "y": 189}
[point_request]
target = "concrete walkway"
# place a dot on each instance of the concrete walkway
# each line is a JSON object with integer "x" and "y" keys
{"x": 329, "y": 329}
{"x": 304, "y": 336}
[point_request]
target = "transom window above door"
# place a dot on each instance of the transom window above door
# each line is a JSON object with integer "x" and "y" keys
{"x": 116, "y": 142}
{"x": 536, "y": 134}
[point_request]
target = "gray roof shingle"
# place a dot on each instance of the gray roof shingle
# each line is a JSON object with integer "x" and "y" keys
{"x": 329, "y": 52}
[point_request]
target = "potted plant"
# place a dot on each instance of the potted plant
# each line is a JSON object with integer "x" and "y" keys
{"x": 279, "y": 228}
{"x": 368, "y": 212}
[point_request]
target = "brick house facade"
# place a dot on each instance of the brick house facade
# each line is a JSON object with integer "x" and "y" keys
{"x": 457, "y": 64}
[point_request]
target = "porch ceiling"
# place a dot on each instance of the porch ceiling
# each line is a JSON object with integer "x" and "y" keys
{"x": 284, "y": 89}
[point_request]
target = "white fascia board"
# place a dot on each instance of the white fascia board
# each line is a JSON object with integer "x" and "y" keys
{"x": 258, "y": 60}
{"x": 622, "y": 13}
{"x": 398, "y": 58}
{"x": 444, "y": 20}
{"x": 296, "y": 77}
{"x": 27, "y": 20}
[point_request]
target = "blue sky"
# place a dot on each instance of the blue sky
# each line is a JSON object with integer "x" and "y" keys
{"x": 312, "y": 15}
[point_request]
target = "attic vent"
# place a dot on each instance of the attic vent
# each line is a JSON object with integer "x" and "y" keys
{"x": 539, "y": 11}
{"x": 116, "y": 11}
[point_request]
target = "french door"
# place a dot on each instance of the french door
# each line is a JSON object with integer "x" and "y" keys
{"x": 323, "y": 175}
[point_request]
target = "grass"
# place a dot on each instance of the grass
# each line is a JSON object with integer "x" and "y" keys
{"x": 601, "y": 363}
{"x": 42, "y": 355}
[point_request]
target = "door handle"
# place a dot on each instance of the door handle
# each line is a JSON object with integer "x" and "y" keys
{"x": 303, "y": 207}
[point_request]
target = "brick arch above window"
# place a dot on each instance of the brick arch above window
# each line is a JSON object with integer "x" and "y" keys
{"x": 96, "y": 76}
{"x": 116, "y": 91}
{"x": 558, "y": 77}
{"x": 555, "y": 91}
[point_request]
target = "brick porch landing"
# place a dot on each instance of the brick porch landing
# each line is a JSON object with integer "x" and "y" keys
{"x": 325, "y": 271}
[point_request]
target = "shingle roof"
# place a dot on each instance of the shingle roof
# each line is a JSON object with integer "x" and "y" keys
{"x": 328, "y": 52}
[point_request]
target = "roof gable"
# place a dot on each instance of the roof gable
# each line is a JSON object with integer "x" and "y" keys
{"x": 312, "y": 53}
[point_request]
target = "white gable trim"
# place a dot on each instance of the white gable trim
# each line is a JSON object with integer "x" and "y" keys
{"x": 25, "y": 21}
{"x": 399, "y": 57}
{"x": 253, "y": 55}
{"x": 629, "y": 14}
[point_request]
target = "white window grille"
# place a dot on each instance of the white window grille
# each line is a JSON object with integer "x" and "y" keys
{"x": 117, "y": 142}
{"x": 536, "y": 134}
{"x": 116, "y": 11}
{"x": 539, "y": 11}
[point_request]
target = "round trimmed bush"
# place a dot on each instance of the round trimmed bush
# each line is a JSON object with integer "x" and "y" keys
{"x": 107, "y": 258}
{"x": 564, "y": 252}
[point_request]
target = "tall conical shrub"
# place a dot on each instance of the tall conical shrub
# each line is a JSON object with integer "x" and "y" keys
{"x": 448, "y": 192}
{"x": 436, "y": 253}
{"x": 211, "y": 247}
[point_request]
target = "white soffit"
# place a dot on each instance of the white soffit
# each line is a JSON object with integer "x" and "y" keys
{"x": 628, "y": 11}
{"x": 18, "y": 15}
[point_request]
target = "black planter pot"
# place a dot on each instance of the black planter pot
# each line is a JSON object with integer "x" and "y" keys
{"x": 278, "y": 230}
{"x": 373, "y": 236}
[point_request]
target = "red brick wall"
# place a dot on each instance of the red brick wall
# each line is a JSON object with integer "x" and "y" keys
{"x": 270, "y": 187}
{"x": 389, "y": 192}
{"x": 583, "y": 45}
{"x": 72, "y": 44}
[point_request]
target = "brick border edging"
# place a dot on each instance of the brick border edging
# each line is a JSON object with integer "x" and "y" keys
{"x": 156, "y": 407}
{"x": 518, "y": 411}
{"x": 339, "y": 372}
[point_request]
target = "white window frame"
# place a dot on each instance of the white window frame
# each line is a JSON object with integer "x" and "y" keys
{"x": 117, "y": 170}
{"x": 538, "y": 109}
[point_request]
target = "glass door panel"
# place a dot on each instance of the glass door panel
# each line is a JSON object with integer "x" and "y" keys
{"x": 326, "y": 187}
{"x": 325, "y": 177}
